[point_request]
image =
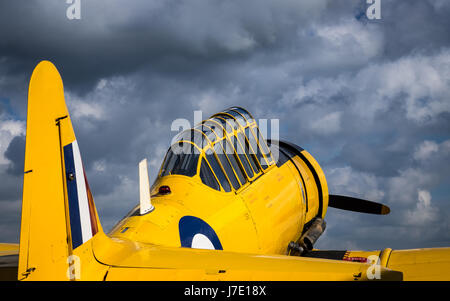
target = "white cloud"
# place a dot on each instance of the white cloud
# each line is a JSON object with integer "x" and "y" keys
{"x": 428, "y": 150}
{"x": 8, "y": 130}
{"x": 329, "y": 124}
{"x": 424, "y": 211}
{"x": 99, "y": 166}
{"x": 317, "y": 90}
{"x": 420, "y": 84}
{"x": 350, "y": 39}
{"x": 101, "y": 84}
{"x": 346, "y": 181}
{"x": 439, "y": 4}
{"x": 401, "y": 188}
{"x": 208, "y": 101}
{"x": 79, "y": 108}
{"x": 425, "y": 150}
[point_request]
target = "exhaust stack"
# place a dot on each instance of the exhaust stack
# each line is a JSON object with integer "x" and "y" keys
{"x": 306, "y": 242}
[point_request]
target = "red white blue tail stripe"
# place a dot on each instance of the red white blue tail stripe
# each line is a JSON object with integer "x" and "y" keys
{"x": 83, "y": 222}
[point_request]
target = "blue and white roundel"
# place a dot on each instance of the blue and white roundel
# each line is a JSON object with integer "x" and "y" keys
{"x": 197, "y": 234}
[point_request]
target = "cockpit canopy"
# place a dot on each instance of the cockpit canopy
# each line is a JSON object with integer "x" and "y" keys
{"x": 226, "y": 151}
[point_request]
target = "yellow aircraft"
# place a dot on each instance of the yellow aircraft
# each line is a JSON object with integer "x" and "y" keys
{"x": 226, "y": 205}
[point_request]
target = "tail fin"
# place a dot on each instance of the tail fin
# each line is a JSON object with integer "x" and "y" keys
{"x": 58, "y": 212}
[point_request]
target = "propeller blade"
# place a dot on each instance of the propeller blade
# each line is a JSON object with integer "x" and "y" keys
{"x": 357, "y": 205}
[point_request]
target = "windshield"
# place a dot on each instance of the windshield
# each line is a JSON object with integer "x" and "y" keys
{"x": 181, "y": 162}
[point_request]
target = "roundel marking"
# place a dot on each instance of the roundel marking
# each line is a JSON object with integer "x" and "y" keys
{"x": 196, "y": 233}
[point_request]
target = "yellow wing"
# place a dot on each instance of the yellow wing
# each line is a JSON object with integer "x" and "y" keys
{"x": 9, "y": 256}
{"x": 415, "y": 264}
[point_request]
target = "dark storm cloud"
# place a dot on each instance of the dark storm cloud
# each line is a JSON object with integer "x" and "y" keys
{"x": 113, "y": 39}
{"x": 415, "y": 26}
{"x": 368, "y": 99}
{"x": 16, "y": 154}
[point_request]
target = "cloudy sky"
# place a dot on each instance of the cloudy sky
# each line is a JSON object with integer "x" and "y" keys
{"x": 369, "y": 99}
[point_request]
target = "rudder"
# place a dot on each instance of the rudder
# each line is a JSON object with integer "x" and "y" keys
{"x": 58, "y": 212}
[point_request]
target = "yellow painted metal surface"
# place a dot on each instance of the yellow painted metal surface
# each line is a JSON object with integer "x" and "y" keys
{"x": 253, "y": 223}
{"x": 43, "y": 205}
{"x": 136, "y": 261}
{"x": 9, "y": 249}
{"x": 276, "y": 209}
{"x": 422, "y": 264}
{"x": 220, "y": 210}
{"x": 244, "y": 222}
{"x": 311, "y": 189}
{"x": 8, "y": 261}
{"x": 45, "y": 238}
{"x": 416, "y": 264}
